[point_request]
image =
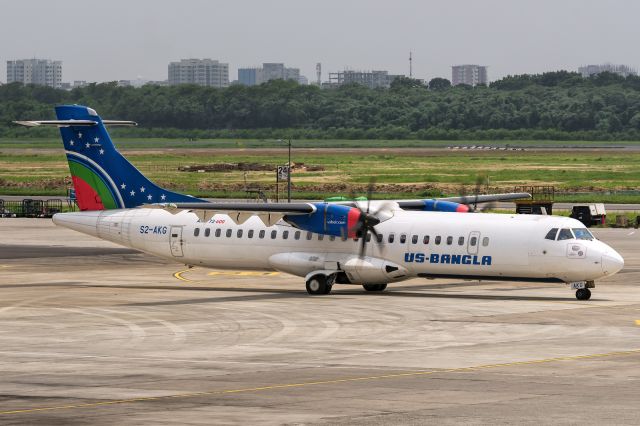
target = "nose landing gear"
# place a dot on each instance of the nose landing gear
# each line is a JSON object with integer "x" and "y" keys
{"x": 583, "y": 294}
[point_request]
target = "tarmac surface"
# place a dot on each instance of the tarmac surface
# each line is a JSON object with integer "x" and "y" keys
{"x": 93, "y": 333}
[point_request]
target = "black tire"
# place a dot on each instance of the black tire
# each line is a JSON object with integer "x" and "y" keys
{"x": 374, "y": 287}
{"x": 583, "y": 294}
{"x": 317, "y": 284}
{"x": 327, "y": 289}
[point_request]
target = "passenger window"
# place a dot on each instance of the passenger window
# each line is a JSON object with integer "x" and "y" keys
{"x": 565, "y": 234}
{"x": 261, "y": 234}
{"x": 207, "y": 232}
{"x": 274, "y": 234}
{"x": 551, "y": 235}
{"x": 449, "y": 240}
{"x": 425, "y": 240}
{"x": 309, "y": 235}
{"x": 250, "y": 233}
{"x": 297, "y": 235}
{"x": 414, "y": 239}
{"x": 332, "y": 237}
{"x": 285, "y": 235}
{"x": 239, "y": 233}
{"x": 460, "y": 241}
{"x": 380, "y": 237}
{"x": 320, "y": 237}
{"x": 403, "y": 238}
{"x": 438, "y": 239}
{"x": 473, "y": 241}
{"x": 344, "y": 238}
{"x": 368, "y": 237}
{"x": 196, "y": 232}
{"x": 218, "y": 232}
{"x": 229, "y": 232}
{"x": 391, "y": 238}
{"x": 485, "y": 241}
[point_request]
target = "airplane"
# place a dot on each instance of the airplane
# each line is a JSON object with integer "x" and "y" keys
{"x": 367, "y": 243}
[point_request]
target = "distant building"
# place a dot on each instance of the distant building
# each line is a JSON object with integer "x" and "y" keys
{"x": 203, "y": 72}
{"x": 303, "y": 80}
{"x": 250, "y": 76}
{"x": 269, "y": 71}
{"x": 371, "y": 79}
{"x": 471, "y": 75}
{"x": 42, "y": 72}
{"x": 623, "y": 70}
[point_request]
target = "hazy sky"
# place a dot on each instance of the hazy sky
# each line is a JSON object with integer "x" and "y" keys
{"x": 117, "y": 39}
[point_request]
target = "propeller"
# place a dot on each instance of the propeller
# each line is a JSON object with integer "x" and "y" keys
{"x": 367, "y": 221}
{"x": 472, "y": 202}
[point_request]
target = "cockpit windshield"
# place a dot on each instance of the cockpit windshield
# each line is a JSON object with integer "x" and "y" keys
{"x": 582, "y": 234}
{"x": 565, "y": 234}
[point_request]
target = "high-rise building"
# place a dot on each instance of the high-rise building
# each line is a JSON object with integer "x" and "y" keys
{"x": 623, "y": 70}
{"x": 42, "y": 72}
{"x": 250, "y": 76}
{"x": 203, "y": 72}
{"x": 471, "y": 75}
{"x": 371, "y": 79}
{"x": 269, "y": 71}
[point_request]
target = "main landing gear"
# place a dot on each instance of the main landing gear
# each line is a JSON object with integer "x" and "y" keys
{"x": 319, "y": 284}
{"x": 374, "y": 287}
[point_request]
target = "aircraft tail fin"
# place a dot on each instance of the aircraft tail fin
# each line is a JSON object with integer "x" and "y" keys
{"x": 102, "y": 177}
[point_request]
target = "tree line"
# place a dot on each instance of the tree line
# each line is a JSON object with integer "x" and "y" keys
{"x": 555, "y": 105}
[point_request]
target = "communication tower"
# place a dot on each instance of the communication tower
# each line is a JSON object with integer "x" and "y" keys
{"x": 319, "y": 73}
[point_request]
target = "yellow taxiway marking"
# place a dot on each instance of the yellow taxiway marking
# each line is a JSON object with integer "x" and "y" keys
{"x": 178, "y": 275}
{"x": 637, "y": 322}
{"x": 244, "y": 273}
{"x": 319, "y": 382}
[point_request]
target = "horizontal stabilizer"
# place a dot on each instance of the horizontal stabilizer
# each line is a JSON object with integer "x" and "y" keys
{"x": 74, "y": 123}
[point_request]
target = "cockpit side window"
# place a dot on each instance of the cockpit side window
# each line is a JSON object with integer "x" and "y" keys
{"x": 582, "y": 234}
{"x": 565, "y": 234}
{"x": 551, "y": 235}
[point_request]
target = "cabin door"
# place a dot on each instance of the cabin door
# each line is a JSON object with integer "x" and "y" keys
{"x": 473, "y": 242}
{"x": 176, "y": 242}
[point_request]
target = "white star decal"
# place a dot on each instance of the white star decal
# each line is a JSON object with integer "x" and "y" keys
{"x": 123, "y": 186}
{"x": 71, "y": 142}
{"x": 96, "y": 139}
{"x": 87, "y": 144}
{"x": 101, "y": 151}
{"x": 162, "y": 197}
{"x": 132, "y": 193}
{"x": 149, "y": 197}
{"x": 79, "y": 135}
{"x": 142, "y": 189}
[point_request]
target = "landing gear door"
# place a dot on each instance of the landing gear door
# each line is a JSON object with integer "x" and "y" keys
{"x": 473, "y": 242}
{"x": 176, "y": 242}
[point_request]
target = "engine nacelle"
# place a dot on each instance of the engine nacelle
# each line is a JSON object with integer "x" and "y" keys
{"x": 444, "y": 206}
{"x": 328, "y": 219}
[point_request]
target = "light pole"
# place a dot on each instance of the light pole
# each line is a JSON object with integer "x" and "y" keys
{"x": 289, "y": 171}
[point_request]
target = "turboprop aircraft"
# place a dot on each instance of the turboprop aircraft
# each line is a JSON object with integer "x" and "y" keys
{"x": 369, "y": 243}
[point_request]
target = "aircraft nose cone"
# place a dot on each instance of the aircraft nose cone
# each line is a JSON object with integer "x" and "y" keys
{"x": 612, "y": 262}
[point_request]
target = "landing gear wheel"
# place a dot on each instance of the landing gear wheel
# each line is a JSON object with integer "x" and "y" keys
{"x": 583, "y": 294}
{"x": 317, "y": 284}
{"x": 374, "y": 287}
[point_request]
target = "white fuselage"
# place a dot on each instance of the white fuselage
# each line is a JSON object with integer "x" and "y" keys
{"x": 425, "y": 244}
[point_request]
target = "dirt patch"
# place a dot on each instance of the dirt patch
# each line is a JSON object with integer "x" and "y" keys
{"x": 223, "y": 167}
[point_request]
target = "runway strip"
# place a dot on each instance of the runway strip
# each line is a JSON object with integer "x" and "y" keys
{"x": 320, "y": 382}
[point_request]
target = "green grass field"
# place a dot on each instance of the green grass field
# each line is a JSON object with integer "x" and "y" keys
{"x": 38, "y": 167}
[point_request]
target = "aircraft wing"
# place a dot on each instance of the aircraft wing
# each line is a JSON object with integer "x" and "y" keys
{"x": 467, "y": 200}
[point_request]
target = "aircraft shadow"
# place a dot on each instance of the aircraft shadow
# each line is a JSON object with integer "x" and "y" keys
{"x": 277, "y": 294}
